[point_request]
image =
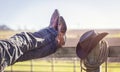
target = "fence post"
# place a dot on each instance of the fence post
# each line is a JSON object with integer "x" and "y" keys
{"x": 11, "y": 69}
{"x": 52, "y": 61}
{"x": 74, "y": 61}
{"x": 31, "y": 65}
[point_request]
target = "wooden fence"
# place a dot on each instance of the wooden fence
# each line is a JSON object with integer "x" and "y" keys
{"x": 66, "y": 53}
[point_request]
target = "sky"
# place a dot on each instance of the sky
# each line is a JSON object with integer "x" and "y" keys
{"x": 78, "y": 14}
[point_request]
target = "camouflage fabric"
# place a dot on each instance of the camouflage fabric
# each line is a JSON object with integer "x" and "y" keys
{"x": 27, "y": 45}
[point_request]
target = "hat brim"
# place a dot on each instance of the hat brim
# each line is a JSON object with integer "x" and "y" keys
{"x": 82, "y": 53}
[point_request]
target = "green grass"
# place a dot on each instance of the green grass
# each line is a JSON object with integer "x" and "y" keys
{"x": 59, "y": 65}
{"x": 44, "y": 66}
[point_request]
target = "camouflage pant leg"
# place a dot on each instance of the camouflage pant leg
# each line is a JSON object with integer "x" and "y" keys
{"x": 16, "y": 46}
{"x": 44, "y": 51}
{"x": 13, "y": 48}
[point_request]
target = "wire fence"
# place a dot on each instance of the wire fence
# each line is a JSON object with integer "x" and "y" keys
{"x": 47, "y": 65}
{"x": 56, "y": 65}
{"x": 64, "y": 60}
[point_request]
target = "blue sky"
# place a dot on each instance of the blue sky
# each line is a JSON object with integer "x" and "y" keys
{"x": 78, "y": 14}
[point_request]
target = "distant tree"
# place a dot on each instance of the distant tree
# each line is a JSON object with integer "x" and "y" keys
{"x": 4, "y": 27}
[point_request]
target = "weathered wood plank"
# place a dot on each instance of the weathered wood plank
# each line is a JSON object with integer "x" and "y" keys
{"x": 114, "y": 51}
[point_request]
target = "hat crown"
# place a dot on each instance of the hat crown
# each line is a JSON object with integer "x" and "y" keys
{"x": 87, "y": 35}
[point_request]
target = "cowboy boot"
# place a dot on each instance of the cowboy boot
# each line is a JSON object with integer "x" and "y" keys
{"x": 54, "y": 20}
{"x": 62, "y": 28}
